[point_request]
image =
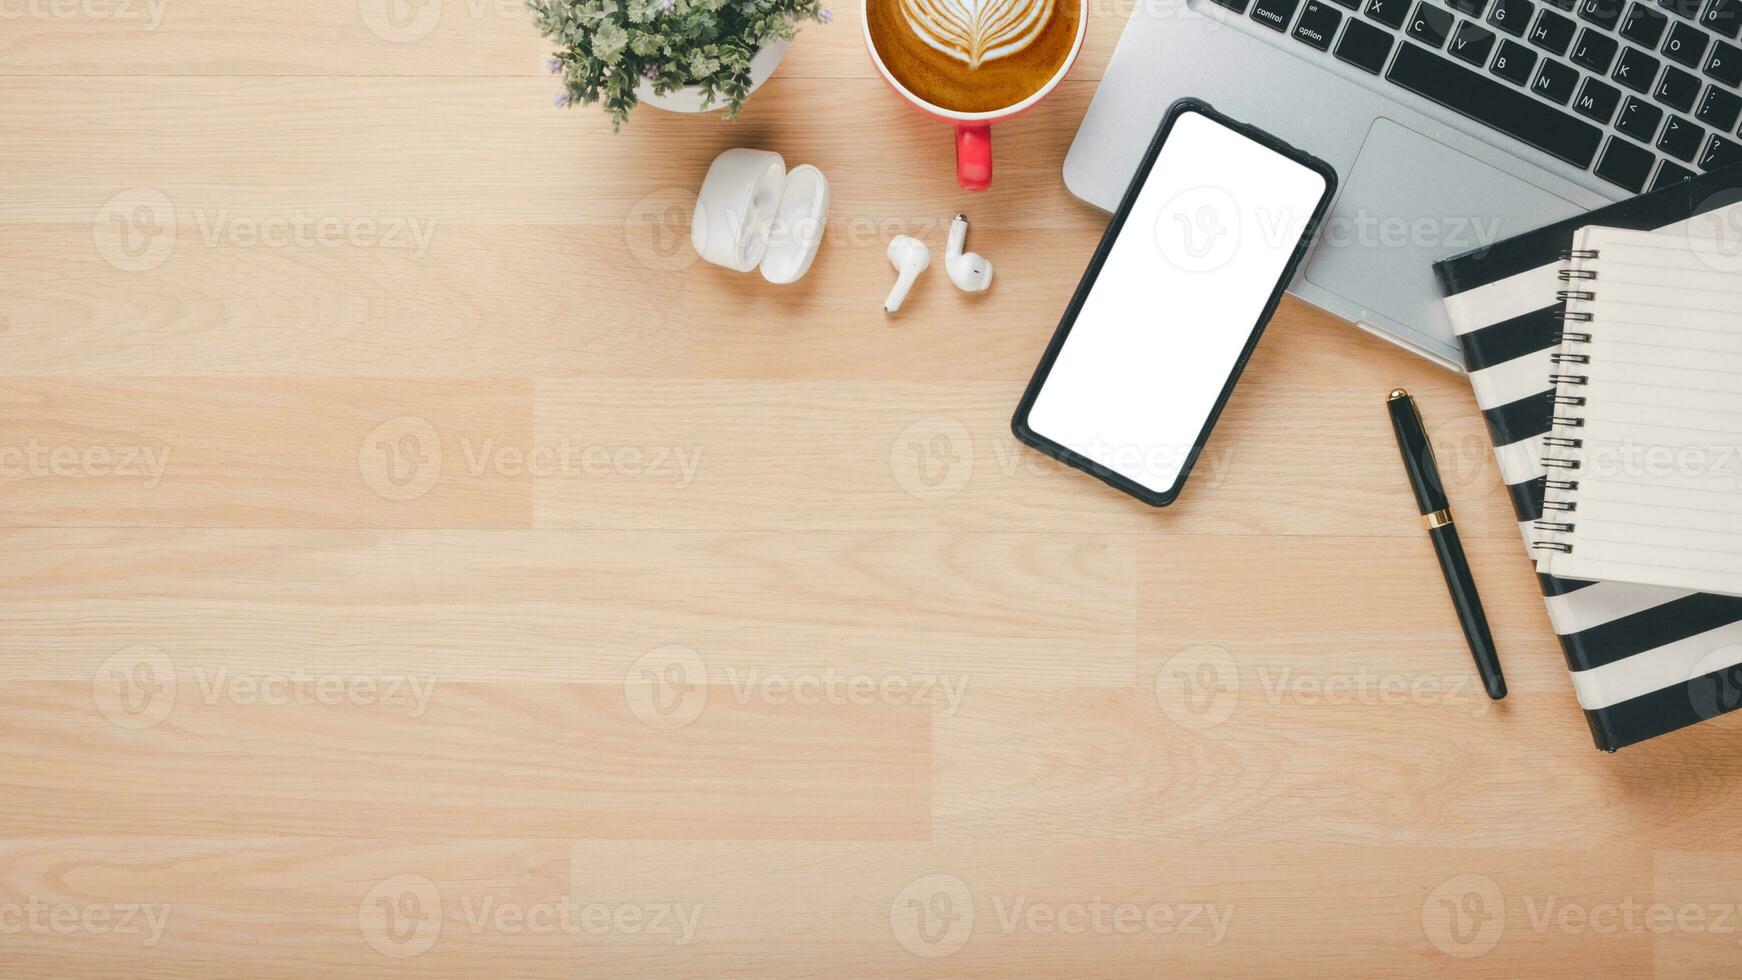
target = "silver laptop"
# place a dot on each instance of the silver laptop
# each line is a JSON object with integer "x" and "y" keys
{"x": 1452, "y": 123}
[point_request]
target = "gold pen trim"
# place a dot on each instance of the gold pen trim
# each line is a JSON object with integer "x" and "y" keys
{"x": 1439, "y": 518}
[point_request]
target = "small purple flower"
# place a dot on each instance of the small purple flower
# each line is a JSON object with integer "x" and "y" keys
{"x": 560, "y": 100}
{"x": 650, "y": 72}
{"x": 825, "y": 16}
{"x": 553, "y": 66}
{"x": 665, "y": 6}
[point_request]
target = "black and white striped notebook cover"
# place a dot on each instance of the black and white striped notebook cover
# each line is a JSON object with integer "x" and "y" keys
{"x": 1644, "y": 660}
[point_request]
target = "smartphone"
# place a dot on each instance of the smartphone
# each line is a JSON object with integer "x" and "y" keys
{"x": 1208, "y": 236}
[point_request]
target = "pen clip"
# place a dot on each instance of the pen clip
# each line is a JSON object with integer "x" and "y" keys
{"x": 1418, "y": 452}
{"x": 1427, "y": 443}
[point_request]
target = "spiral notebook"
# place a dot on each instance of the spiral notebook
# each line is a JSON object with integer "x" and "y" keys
{"x": 1644, "y": 483}
{"x": 1644, "y": 660}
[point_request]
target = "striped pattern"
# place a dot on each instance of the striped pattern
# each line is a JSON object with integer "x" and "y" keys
{"x": 1644, "y": 660}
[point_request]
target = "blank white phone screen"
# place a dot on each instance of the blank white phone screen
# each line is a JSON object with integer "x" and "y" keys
{"x": 1176, "y": 301}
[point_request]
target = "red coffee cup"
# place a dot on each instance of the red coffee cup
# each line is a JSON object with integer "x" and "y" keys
{"x": 974, "y": 129}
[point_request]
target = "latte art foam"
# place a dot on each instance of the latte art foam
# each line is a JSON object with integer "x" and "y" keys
{"x": 974, "y": 55}
{"x": 977, "y": 31}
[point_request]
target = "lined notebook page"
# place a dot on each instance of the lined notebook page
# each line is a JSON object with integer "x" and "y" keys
{"x": 1657, "y": 493}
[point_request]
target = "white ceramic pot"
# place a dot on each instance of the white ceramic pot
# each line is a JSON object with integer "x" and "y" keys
{"x": 689, "y": 98}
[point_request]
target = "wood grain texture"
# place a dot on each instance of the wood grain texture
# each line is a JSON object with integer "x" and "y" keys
{"x": 419, "y": 563}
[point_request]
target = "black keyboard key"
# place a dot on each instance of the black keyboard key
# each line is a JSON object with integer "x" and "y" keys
{"x": 1508, "y": 110}
{"x": 1555, "y": 81}
{"x": 1643, "y": 25}
{"x": 1683, "y": 8}
{"x": 1552, "y": 32}
{"x": 1721, "y": 17}
{"x": 1718, "y": 108}
{"x": 1565, "y": 4}
{"x": 1364, "y": 46}
{"x": 1469, "y": 8}
{"x": 1686, "y": 43}
{"x": 1669, "y": 173}
{"x": 1635, "y": 70}
{"x": 1514, "y": 62}
{"x": 1677, "y": 89}
{"x": 1274, "y": 14}
{"x": 1238, "y": 6}
{"x": 1318, "y": 24}
{"x": 1595, "y": 51}
{"x": 1597, "y": 101}
{"x": 1511, "y": 16}
{"x": 1391, "y": 13}
{"x": 1603, "y": 13}
{"x": 1351, "y": 4}
{"x": 1639, "y": 119}
{"x": 1472, "y": 43}
{"x": 1719, "y": 152}
{"x": 1625, "y": 164}
{"x": 1430, "y": 25}
{"x": 1680, "y": 139}
{"x": 1724, "y": 63}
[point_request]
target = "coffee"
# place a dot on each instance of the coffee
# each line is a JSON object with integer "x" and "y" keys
{"x": 973, "y": 55}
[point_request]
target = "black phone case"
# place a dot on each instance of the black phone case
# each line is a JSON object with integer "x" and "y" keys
{"x": 1019, "y": 423}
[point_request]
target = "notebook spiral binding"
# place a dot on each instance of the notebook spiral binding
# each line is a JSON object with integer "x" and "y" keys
{"x": 1555, "y": 487}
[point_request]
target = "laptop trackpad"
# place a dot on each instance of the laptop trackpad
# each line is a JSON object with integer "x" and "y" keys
{"x": 1409, "y": 202}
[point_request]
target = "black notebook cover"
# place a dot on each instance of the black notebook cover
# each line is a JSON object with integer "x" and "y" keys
{"x": 1644, "y": 660}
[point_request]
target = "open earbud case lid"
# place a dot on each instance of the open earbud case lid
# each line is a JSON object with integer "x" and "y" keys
{"x": 753, "y": 213}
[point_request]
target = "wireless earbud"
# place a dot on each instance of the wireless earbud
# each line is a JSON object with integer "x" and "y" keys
{"x": 970, "y": 272}
{"x": 910, "y": 256}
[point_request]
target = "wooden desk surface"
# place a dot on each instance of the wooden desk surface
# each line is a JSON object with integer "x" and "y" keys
{"x": 417, "y": 563}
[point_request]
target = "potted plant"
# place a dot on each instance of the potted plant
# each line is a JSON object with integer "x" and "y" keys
{"x": 681, "y": 55}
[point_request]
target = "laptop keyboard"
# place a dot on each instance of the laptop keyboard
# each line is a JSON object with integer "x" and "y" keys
{"x": 1555, "y": 74}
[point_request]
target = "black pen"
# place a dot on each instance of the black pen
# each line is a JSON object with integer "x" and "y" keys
{"x": 1430, "y": 496}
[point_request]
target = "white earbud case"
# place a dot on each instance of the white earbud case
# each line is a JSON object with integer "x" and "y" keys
{"x": 753, "y": 213}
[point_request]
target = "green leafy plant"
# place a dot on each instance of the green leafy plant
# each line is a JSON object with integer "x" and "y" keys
{"x": 605, "y": 49}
